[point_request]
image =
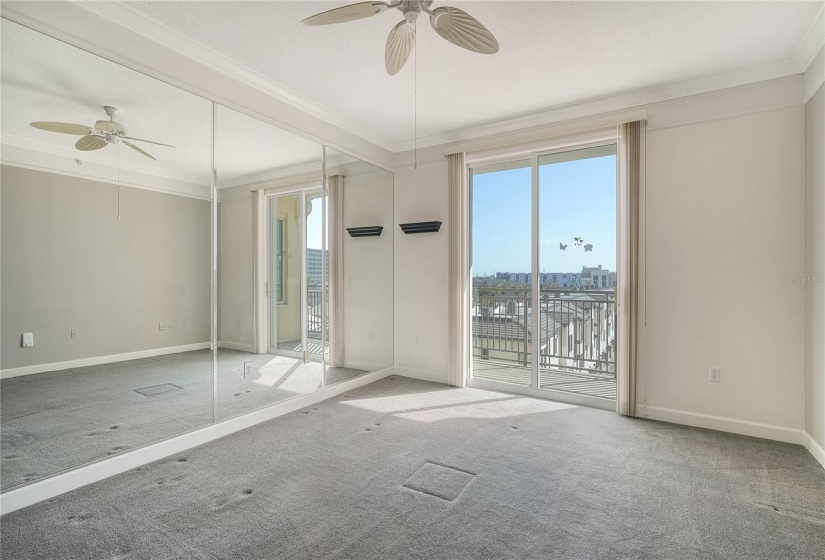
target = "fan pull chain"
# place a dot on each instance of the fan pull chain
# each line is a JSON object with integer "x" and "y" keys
{"x": 415, "y": 96}
{"x": 118, "y": 179}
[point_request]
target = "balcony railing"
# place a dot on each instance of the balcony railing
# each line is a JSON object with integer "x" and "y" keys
{"x": 577, "y": 329}
{"x": 315, "y": 301}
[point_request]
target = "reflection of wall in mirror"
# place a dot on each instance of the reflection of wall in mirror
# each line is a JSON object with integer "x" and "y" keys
{"x": 69, "y": 263}
{"x": 368, "y": 272}
{"x": 235, "y": 254}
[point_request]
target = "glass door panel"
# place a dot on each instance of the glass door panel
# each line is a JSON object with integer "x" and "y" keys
{"x": 501, "y": 265}
{"x": 577, "y": 271}
{"x": 285, "y": 263}
{"x": 317, "y": 259}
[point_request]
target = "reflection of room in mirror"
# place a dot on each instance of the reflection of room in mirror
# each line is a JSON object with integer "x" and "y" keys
{"x": 105, "y": 259}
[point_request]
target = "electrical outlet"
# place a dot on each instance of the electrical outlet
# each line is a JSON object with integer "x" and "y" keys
{"x": 715, "y": 374}
{"x": 247, "y": 370}
{"x": 74, "y": 333}
{"x": 28, "y": 340}
{"x": 161, "y": 326}
{"x": 183, "y": 322}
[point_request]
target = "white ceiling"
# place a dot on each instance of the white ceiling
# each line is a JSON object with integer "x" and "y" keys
{"x": 43, "y": 79}
{"x": 552, "y": 54}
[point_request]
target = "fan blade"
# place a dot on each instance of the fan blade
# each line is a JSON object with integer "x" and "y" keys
{"x": 91, "y": 142}
{"x": 147, "y": 141}
{"x": 135, "y": 148}
{"x": 462, "y": 29}
{"x": 399, "y": 45}
{"x": 347, "y": 13}
{"x": 63, "y": 128}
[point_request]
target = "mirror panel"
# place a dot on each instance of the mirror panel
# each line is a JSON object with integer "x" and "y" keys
{"x": 361, "y": 267}
{"x": 105, "y": 258}
{"x": 268, "y": 216}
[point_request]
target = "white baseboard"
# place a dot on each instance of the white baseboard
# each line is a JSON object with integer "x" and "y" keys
{"x": 814, "y": 448}
{"x": 97, "y": 360}
{"x": 437, "y": 377}
{"x": 236, "y": 346}
{"x": 366, "y": 366}
{"x": 724, "y": 424}
{"x": 67, "y": 481}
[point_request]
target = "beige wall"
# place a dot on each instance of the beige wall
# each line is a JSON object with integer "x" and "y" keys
{"x": 368, "y": 270}
{"x": 725, "y": 206}
{"x": 235, "y": 280}
{"x": 421, "y": 268}
{"x": 69, "y": 263}
{"x": 815, "y": 266}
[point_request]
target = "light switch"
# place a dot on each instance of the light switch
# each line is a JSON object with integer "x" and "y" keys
{"x": 28, "y": 340}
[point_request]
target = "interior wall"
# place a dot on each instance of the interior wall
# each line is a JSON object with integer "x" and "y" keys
{"x": 368, "y": 272}
{"x": 815, "y": 267}
{"x": 724, "y": 244}
{"x": 421, "y": 269}
{"x": 726, "y": 200}
{"x": 235, "y": 277}
{"x": 68, "y": 263}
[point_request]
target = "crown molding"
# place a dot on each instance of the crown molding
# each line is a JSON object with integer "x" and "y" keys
{"x": 813, "y": 41}
{"x": 127, "y": 16}
{"x": 99, "y": 159}
{"x": 623, "y": 101}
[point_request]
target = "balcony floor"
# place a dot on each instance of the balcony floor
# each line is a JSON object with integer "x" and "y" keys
{"x": 578, "y": 383}
{"x": 315, "y": 346}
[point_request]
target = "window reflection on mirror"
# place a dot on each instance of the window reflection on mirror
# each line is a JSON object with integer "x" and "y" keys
{"x": 268, "y": 212}
{"x": 105, "y": 258}
{"x": 360, "y": 302}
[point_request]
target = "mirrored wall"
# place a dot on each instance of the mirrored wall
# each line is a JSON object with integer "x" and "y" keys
{"x": 168, "y": 262}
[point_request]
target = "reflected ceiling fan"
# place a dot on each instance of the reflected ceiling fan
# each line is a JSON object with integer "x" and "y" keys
{"x": 101, "y": 135}
{"x": 455, "y": 25}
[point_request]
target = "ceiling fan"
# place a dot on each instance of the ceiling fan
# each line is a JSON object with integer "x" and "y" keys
{"x": 455, "y": 25}
{"x": 101, "y": 135}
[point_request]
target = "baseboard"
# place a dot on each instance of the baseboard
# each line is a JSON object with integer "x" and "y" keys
{"x": 236, "y": 346}
{"x": 97, "y": 360}
{"x": 366, "y": 366}
{"x": 67, "y": 481}
{"x": 724, "y": 424}
{"x": 814, "y": 448}
{"x": 437, "y": 377}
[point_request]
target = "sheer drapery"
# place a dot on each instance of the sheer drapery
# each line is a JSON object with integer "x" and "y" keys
{"x": 459, "y": 273}
{"x": 629, "y": 173}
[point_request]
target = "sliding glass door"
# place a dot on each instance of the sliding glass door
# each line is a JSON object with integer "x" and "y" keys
{"x": 295, "y": 275}
{"x": 543, "y": 268}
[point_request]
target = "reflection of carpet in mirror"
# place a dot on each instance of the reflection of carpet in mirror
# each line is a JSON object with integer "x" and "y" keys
{"x": 59, "y": 420}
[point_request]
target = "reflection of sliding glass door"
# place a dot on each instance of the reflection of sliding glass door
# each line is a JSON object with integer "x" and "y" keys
{"x": 296, "y": 275}
{"x": 543, "y": 244}
{"x": 317, "y": 260}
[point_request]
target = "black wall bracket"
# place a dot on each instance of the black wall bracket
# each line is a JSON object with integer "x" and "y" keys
{"x": 420, "y": 227}
{"x": 366, "y": 231}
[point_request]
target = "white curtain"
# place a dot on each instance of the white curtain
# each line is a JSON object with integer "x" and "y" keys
{"x": 459, "y": 270}
{"x": 335, "y": 236}
{"x": 629, "y": 173}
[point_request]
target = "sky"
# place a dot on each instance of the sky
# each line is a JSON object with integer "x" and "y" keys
{"x": 576, "y": 199}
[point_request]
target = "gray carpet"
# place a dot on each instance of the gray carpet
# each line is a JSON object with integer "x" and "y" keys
{"x": 413, "y": 470}
{"x": 53, "y": 421}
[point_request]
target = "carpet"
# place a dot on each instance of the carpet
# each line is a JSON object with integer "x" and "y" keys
{"x": 53, "y": 421}
{"x": 543, "y": 481}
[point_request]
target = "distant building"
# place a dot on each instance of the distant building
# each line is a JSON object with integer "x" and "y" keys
{"x": 597, "y": 278}
{"x": 314, "y": 267}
